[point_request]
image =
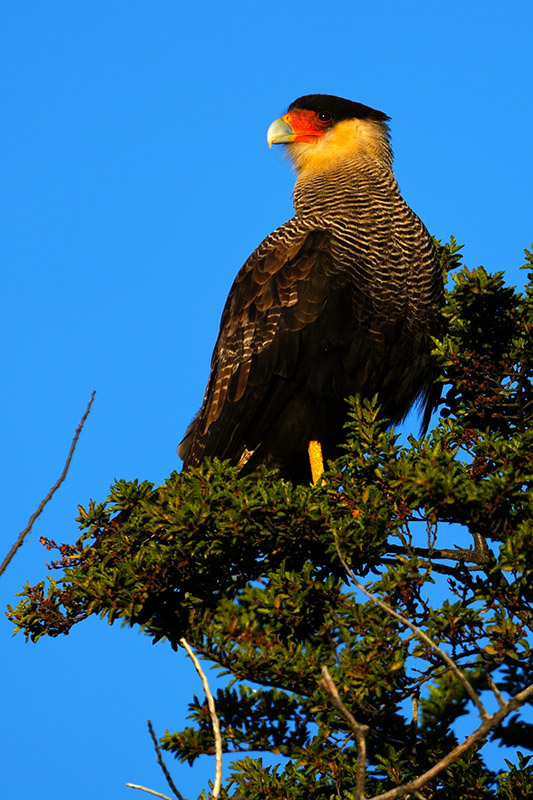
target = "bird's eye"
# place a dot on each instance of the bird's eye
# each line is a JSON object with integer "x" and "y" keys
{"x": 325, "y": 116}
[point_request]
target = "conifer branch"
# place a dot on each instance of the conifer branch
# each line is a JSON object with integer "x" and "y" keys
{"x": 483, "y": 713}
{"x": 480, "y": 733}
{"x": 360, "y": 731}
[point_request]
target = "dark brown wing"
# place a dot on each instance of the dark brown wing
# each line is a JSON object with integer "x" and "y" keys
{"x": 280, "y": 289}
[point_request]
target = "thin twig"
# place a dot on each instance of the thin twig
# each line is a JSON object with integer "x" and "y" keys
{"x": 415, "y": 705}
{"x": 480, "y": 733}
{"x": 214, "y": 719}
{"x": 149, "y": 791}
{"x": 162, "y": 764}
{"x": 420, "y": 634}
{"x": 20, "y": 539}
{"x": 496, "y": 691}
{"x": 360, "y": 731}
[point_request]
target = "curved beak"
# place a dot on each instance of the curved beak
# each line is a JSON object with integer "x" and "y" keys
{"x": 280, "y": 132}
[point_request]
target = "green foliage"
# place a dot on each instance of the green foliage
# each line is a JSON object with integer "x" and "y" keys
{"x": 517, "y": 783}
{"x": 249, "y": 571}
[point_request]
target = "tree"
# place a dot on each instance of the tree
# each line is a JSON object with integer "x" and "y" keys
{"x": 358, "y": 693}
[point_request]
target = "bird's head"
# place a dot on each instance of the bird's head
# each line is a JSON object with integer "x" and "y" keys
{"x": 320, "y": 130}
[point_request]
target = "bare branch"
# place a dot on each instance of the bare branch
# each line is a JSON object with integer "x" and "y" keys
{"x": 22, "y": 535}
{"x": 360, "y": 731}
{"x": 162, "y": 764}
{"x": 496, "y": 691}
{"x": 420, "y": 634}
{"x": 481, "y": 547}
{"x": 214, "y": 719}
{"x": 468, "y": 555}
{"x": 148, "y": 791}
{"x": 481, "y": 732}
{"x": 415, "y": 705}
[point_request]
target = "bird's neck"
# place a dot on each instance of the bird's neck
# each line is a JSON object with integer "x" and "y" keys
{"x": 350, "y": 179}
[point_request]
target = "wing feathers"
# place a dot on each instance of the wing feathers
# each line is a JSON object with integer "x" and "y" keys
{"x": 280, "y": 289}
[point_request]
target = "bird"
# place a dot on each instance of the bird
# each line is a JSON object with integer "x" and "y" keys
{"x": 342, "y": 299}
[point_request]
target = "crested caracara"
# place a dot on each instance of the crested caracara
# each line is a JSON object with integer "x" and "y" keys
{"x": 341, "y": 299}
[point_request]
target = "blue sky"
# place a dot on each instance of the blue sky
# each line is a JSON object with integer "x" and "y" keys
{"x": 135, "y": 181}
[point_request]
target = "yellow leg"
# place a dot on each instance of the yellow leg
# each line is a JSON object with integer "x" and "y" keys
{"x": 315, "y": 460}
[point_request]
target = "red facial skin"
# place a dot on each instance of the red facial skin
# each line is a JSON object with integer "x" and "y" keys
{"x": 307, "y": 125}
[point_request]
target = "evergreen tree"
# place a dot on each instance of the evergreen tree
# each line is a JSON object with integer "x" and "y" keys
{"x": 360, "y": 618}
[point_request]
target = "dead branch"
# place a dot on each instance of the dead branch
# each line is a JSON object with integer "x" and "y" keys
{"x": 22, "y": 535}
{"x": 148, "y": 791}
{"x": 162, "y": 764}
{"x": 214, "y": 719}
